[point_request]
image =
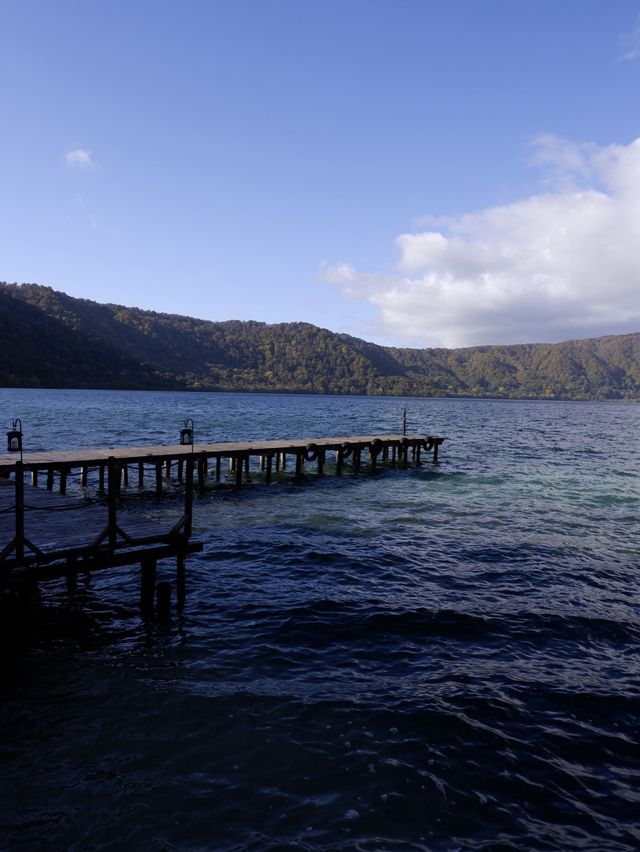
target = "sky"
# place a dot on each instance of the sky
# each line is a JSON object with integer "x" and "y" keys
{"x": 412, "y": 172}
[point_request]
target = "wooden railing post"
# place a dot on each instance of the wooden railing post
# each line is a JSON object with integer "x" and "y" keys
{"x": 188, "y": 497}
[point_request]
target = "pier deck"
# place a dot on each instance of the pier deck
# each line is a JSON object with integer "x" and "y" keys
{"x": 45, "y": 535}
{"x": 272, "y": 454}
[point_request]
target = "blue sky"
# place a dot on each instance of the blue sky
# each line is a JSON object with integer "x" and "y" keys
{"x": 415, "y": 173}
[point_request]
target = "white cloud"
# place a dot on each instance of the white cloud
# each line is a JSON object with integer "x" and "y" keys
{"x": 561, "y": 264}
{"x": 79, "y": 158}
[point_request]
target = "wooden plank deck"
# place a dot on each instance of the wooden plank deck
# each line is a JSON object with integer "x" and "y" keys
{"x": 45, "y": 535}
{"x": 272, "y": 455}
{"x": 227, "y": 449}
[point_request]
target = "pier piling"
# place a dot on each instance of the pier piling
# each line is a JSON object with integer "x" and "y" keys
{"x": 163, "y": 600}
{"x": 148, "y": 571}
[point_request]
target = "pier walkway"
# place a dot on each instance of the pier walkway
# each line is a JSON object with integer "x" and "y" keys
{"x": 273, "y": 455}
{"x": 44, "y": 535}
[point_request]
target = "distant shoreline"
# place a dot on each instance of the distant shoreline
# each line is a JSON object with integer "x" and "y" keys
{"x": 441, "y": 397}
{"x": 55, "y": 341}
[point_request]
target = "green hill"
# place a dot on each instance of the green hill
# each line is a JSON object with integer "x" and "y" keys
{"x": 53, "y": 340}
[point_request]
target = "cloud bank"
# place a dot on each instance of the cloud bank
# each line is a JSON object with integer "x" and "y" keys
{"x": 561, "y": 264}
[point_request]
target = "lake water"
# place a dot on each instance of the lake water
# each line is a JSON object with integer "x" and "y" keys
{"x": 438, "y": 658}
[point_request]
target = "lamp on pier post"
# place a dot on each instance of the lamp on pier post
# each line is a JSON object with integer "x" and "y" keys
{"x": 14, "y": 437}
{"x": 186, "y": 434}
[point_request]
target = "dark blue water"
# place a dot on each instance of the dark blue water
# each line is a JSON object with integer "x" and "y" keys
{"x": 438, "y": 659}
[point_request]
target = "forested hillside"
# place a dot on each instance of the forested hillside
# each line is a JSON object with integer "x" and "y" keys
{"x": 53, "y": 340}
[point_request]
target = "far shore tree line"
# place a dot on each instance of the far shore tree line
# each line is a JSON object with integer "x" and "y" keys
{"x": 53, "y": 340}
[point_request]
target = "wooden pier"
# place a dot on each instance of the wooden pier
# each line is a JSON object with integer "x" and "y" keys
{"x": 136, "y": 464}
{"x": 44, "y": 535}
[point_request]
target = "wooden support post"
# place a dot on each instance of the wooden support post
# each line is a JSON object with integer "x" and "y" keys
{"x": 140, "y": 474}
{"x": 394, "y": 455}
{"x": 71, "y": 576}
{"x": 28, "y": 601}
{"x": 188, "y": 498}
{"x": 159, "y": 478}
{"x": 413, "y": 452}
{"x": 320, "y": 461}
{"x": 101, "y": 479}
{"x": 356, "y": 458}
{"x": 117, "y": 477}
{"x": 284, "y": 461}
{"x": 268, "y": 461}
{"x": 181, "y": 580}
{"x": 416, "y": 454}
{"x": 72, "y": 585}
{"x": 436, "y": 444}
{"x": 19, "y": 541}
{"x": 19, "y": 475}
{"x": 34, "y": 478}
{"x": 277, "y": 460}
{"x": 339, "y": 460}
{"x": 372, "y": 458}
{"x": 385, "y": 453}
{"x": 125, "y": 475}
{"x": 86, "y": 572}
{"x": 263, "y": 462}
{"x": 299, "y": 463}
{"x": 246, "y": 465}
{"x": 49, "y": 479}
{"x": 163, "y": 600}
{"x": 218, "y": 460}
{"x": 63, "y": 480}
{"x": 203, "y": 470}
{"x": 238, "y": 470}
{"x": 232, "y": 464}
{"x": 167, "y": 468}
{"x": 113, "y": 487}
{"x": 180, "y": 470}
{"x": 147, "y": 585}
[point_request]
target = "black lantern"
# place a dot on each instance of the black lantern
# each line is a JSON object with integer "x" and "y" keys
{"x": 14, "y": 437}
{"x": 186, "y": 434}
